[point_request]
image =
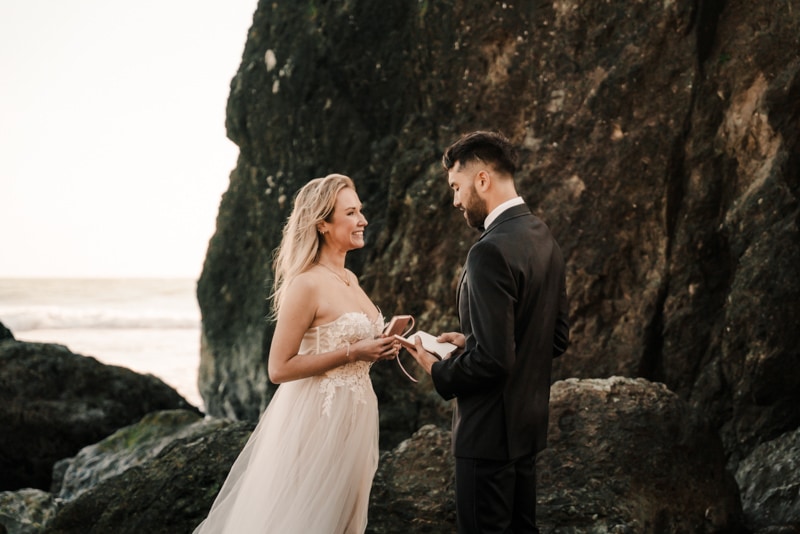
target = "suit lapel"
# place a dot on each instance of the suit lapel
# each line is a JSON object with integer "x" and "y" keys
{"x": 460, "y": 285}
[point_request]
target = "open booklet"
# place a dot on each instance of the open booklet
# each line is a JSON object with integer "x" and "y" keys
{"x": 440, "y": 349}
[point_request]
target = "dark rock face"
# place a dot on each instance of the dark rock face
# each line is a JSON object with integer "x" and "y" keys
{"x": 54, "y": 402}
{"x": 660, "y": 142}
{"x": 770, "y": 483}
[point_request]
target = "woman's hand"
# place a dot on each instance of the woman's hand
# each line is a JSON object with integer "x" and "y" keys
{"x": 373, "y": 350}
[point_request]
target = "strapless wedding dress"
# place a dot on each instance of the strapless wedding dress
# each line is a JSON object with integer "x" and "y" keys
{"x": 308, "y": 466}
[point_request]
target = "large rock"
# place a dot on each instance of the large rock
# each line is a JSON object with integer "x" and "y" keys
{"x": 54, "y": 402}
{"x": 166, "y": 494}
{"x": 324, "y": 81}
{"x": 627, "y": 455}
{"x": 414, "y": 488}
{"x": 125, "y": 448}
{"x": 659, "y": 142}
{"x": 29, "y": 511}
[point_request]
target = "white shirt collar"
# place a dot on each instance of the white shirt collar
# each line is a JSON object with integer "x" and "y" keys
{"x": 516, "y": 201}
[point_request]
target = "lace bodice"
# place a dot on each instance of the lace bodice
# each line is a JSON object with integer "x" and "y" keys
{"x": 348, "y": 327}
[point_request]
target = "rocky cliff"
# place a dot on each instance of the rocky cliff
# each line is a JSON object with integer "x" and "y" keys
{"x": 660, "y": 142}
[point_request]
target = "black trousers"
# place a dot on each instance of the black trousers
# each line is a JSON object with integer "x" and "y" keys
{"x": 496, "y": 497}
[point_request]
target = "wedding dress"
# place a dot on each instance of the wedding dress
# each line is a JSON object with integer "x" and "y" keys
{"x": 308, "y": 465}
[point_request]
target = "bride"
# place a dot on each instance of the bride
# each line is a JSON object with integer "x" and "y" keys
{"x": 309, "y": 464}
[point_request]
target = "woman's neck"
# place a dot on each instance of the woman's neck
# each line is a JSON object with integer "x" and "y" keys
{"x": 332, "y": 259}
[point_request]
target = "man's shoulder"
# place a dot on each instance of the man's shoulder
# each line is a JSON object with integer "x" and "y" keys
{"x": 490, "y": 249}
{"x": 512, "y": 228}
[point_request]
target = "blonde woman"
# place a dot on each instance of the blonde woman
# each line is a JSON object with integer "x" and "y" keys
{"x": 309, "y": 464}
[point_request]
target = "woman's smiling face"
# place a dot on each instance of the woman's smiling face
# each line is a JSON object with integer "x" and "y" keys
{"x": 345, "y": 230}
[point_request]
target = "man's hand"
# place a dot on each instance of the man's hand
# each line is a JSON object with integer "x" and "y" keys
{"x": 424, "y": 358}
{"x": 456, "y": 338}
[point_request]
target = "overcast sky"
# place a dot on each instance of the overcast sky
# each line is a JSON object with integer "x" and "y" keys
{"x": 113, "y": 154}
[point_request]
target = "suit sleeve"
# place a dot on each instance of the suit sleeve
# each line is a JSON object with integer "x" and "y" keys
{"x": 489, "y": 353}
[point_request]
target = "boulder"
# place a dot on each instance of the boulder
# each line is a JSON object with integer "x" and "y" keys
{"x": 628, "y": 455}
{"x": 624, "y": 455}
{"x": 168, "y": 493}
{"x": 125, "y": 448}
{"x": 54, "y": 402}
{"x": 414, "y": 488}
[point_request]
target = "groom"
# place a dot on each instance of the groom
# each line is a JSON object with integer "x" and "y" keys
{"x": 512, "y": 307}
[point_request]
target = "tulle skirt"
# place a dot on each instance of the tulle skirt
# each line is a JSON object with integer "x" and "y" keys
{"x": 308, "y": 466}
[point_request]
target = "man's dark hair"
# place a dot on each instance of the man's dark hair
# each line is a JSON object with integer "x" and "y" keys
{"x": 488, "y": 147}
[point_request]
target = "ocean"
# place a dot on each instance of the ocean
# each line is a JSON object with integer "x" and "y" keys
{"x": 147, "y": 325}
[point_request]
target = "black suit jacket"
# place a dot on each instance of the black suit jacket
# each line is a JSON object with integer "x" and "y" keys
{"x": 512, "y": 305}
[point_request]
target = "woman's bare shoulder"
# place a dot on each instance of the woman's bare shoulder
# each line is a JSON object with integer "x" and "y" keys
{"x": 304, "y": 285}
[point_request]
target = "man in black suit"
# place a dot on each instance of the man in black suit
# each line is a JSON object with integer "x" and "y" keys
{"x": 513, "y": 311}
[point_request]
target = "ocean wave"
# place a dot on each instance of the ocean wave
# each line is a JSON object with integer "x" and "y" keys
{"x": 59, "y": 318}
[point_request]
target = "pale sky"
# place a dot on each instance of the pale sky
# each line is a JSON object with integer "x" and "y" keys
{"x": 113, "y": 154}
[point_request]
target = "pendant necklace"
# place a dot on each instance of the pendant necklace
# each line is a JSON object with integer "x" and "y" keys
{"x": 346, "y": 281}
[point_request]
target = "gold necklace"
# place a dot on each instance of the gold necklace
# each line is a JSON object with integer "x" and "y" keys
{"x": 345, "y": 280}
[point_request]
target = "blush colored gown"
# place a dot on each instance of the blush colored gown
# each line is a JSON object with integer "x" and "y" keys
{"x": 309, "y": 463}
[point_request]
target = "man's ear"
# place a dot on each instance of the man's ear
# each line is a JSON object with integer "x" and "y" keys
{"x": 483, "y": 180}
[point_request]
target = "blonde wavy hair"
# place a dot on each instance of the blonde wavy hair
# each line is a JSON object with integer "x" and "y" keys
{"x": 301, "y": 241}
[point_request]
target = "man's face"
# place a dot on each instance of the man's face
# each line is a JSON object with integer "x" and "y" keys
{"x": 465, "y": 196}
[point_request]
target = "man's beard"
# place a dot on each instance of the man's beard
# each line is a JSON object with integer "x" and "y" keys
{"x": 476, "y": 211}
